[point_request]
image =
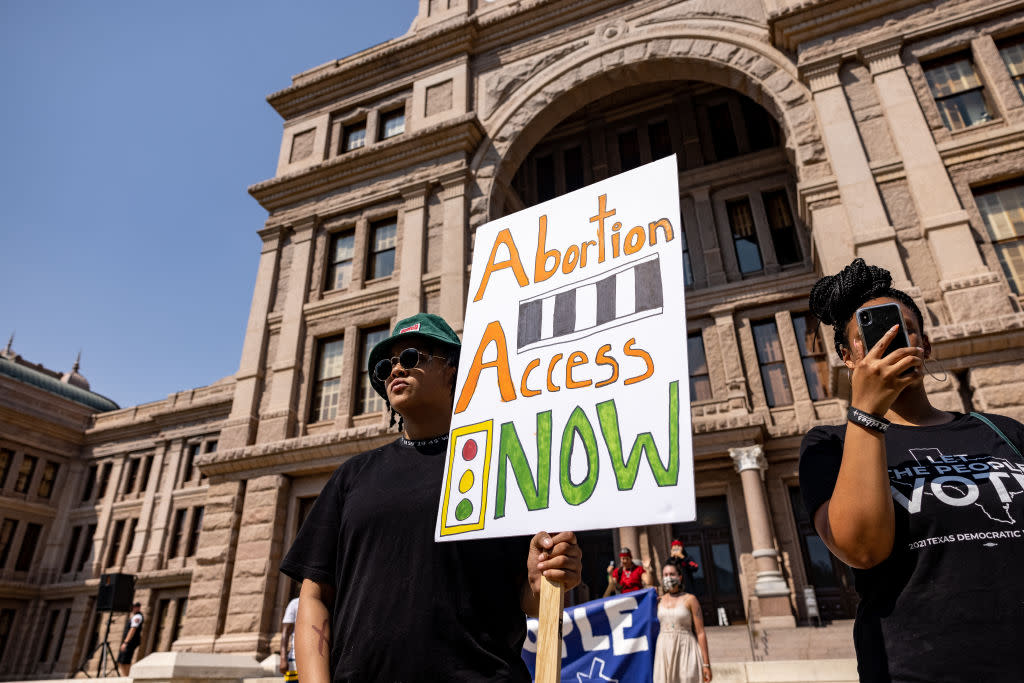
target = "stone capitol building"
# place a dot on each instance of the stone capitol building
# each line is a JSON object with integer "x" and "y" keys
{"x": 807, "y": 132}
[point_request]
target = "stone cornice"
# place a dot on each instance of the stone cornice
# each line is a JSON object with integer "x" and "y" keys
{"x": 744, "y": 294}
{"x": 458, "y": 135}
{"x": 148, "y": 420}
{"x": 799, "y": 21}
{"x": 314, "y": 451}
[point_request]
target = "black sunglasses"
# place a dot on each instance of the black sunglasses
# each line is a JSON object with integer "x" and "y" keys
{"x": 408, "y": 359}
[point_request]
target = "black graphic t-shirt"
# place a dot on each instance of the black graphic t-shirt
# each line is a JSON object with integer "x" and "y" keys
{"x": 407, "y": 608}
{"x": 948, "y": 603}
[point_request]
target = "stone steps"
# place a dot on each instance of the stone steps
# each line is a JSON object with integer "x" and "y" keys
{"x": 732, "y": 643}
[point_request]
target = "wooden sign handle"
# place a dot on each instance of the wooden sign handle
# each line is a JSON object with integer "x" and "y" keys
{"x": 549, "y": 632}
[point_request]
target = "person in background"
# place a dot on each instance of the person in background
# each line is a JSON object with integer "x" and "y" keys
{"x": 681, "y": 654}
{"x": 684, "y": 564}
{"x": 380, "y": 600}
{"x": 921, "y": 502}
{"x": 131, "y": 639}
{"x": 627, "y": 577}
{"x": 287, "y": 667}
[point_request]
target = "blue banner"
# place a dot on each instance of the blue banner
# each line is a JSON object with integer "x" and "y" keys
{"x": 611, "y": 639}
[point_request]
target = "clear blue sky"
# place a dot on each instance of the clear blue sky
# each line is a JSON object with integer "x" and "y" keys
{"x": 130, "y": 132}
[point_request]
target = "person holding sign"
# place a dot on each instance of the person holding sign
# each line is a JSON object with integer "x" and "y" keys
{"x": 380, "y": 600}
{"x": 925, "y": 504}
{"x": 681, "y": 655}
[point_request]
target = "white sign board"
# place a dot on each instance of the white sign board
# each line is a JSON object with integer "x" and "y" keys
{"x": 572, "y": 399}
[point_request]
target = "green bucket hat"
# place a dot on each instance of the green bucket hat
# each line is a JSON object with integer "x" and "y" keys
{"x": 422, "y": 325}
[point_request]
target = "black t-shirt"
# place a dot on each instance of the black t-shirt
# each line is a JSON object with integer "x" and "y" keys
{"x": 948, "y": 603}
{"x": 407, "y": 608}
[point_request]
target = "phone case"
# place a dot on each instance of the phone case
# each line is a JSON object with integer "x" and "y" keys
{"x": 875, "y": 321}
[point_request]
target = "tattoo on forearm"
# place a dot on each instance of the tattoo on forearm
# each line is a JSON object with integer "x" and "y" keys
{"x": 322, "y": 641}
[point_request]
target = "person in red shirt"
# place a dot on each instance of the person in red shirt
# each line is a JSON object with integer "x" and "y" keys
{"x": 628, "y": 577}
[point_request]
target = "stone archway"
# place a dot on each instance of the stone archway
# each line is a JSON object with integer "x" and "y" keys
{"x": 521, "y": 107}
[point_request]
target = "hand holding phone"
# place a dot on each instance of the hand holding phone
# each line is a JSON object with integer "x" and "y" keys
{"x": 875, "y": 321}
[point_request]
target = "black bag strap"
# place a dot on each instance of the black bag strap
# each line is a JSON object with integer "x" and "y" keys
{"x": 997, "y": 431}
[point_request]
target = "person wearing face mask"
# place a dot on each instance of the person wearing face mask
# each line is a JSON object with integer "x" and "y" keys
{"x": 681, "y": 654}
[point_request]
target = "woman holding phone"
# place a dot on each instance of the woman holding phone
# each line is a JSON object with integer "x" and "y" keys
{"x": 926, "y": 505}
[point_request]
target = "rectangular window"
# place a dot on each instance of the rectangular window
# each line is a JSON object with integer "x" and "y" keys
{"x": 6, "y": 458}
{"x": 339, "y": 272}
{"x": 327, "y": 387}
{"x": 369, "y": 401}
{"x": 723, "y": 137}
{"x": 392, "y": 124}
{"x": 28, "y": 547}
{"x": 353, "y": 136}
{"x": 782, "y": 227}
{"x": 660, "y": 139}
{"x": 744, "y": 235}
{"x": 812, "y": 354}
{"x": 87, "y": 545}
{"x": 49, "y": 635}
{"x": 700, "y": 381}
{"x": 179, "y": 618}
{"x": 629, "y": 150}
{"x": 545, "y": 171}
{"x": 6, "y": 628}
{"x": 189, "y": 469}
{"x": 115, "y": 542}
{"x": 193, "y": 531}
{"x": 1013, "y": 57}
{"x": 7, "y": 530}
{"x": 572, "y": 159}
{"x": 147, "y": 469}
{"x": 383, "y": 238}
{"x": 132, "y": 475}
{"x": 687, "y": 268}
{"x": 1002, "y": 209}
{"x": 50, "y": 470}
{"x": 773, "y": 366}
{"x": 762, "y": 131}
{"x": 177, "y": 532}
{"x": 90, "y": 483}
{"x": 25, "y": 472}
{"x": 104, "y": 480}
{"x": 69, "y": 554}
{"x": 958, "y": 92}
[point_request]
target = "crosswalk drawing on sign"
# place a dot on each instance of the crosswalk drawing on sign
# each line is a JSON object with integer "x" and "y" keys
{"x": 465, "y": 491}
{"x": 625, "y": 294}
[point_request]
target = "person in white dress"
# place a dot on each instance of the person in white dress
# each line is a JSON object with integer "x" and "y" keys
{"x": 681, "y": 655}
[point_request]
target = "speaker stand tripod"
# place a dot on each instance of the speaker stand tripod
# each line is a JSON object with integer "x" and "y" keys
{"x": 104, "y": 649}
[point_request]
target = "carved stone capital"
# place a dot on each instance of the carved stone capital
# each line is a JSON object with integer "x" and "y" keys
{"x": 883, "y": 57}
{"x": 748, "y": 458}
{"x": 823, "y": 76}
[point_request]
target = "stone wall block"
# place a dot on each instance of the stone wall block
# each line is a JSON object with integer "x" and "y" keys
{"x": 995, "y": 375}
{"x": 762, "y": 68}
{"x": 636, "y": 52}
{"x": 661, "y": 47}
{"x": 702, "y": 48}
{"x": 724, "y": 52}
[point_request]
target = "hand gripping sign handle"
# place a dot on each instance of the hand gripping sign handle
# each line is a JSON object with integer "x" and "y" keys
{"x": 549, "y": 632}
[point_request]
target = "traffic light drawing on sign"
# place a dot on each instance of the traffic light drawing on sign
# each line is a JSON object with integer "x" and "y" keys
{"x": 465, "y": 491}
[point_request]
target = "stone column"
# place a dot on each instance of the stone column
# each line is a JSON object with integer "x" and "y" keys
{"x": 874, "y": 238}
{"x": 153, "y": 555}
{"x": 410, "y": 265}
{"x": 240, "y": 427}
{"x": 143, "y": 531}
{"x": 279, "y": 420}
{"x": 770, "y": 587}
{"x": 248, "y": 626}
{"x": 712, "y": 250}
{"x": 969, "y": 289}
{"x": 453, "y": 258}
{"x": 213, "y": 569}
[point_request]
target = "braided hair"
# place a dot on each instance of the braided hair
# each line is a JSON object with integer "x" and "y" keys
{"x": 835, "y": 298}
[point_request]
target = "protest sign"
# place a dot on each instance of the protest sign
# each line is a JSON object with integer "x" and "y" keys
{"x": 572, "y": 397}
{"x": 605, "y": 640}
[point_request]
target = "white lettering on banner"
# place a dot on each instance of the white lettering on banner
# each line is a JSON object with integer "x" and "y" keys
{"x": 591, "y": 643}
{"x": 620, "y": 617}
